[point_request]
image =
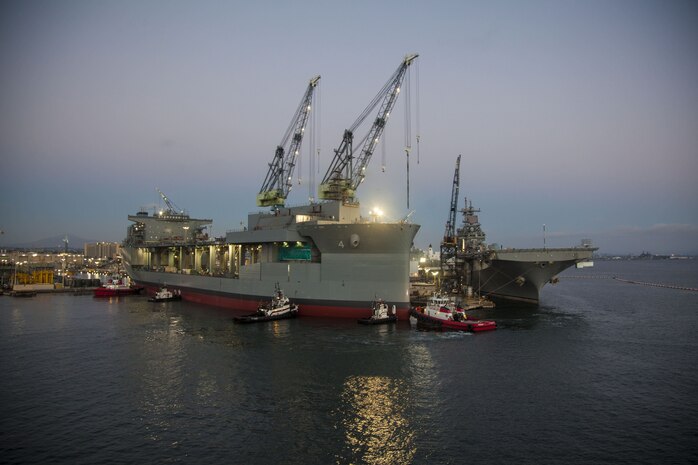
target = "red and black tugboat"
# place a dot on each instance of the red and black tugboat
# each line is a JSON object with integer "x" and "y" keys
{"x": 113, "y": 289}
{"x": 443, "y": 314}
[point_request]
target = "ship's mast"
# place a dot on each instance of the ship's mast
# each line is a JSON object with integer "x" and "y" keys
{"x": 471, "y": 236}
{"x": 472, "y": 252}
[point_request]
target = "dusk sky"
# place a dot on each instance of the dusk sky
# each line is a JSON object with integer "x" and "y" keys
{"x": 582, "y": 116}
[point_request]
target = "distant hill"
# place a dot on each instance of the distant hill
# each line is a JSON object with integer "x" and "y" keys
{"x": 55, "y": 242}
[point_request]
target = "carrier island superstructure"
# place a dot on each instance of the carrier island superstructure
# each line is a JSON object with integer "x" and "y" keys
{"x": 325, "y": 255}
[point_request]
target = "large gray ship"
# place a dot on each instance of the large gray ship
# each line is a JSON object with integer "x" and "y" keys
{"x": 326, "y": 256}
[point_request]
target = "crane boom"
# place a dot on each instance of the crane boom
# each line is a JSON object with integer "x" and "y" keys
{"x": 345, "y": 174}
{"x": 277, "y": 184}
{"x": 172, "y": 209}
{"x": 451, "y": 279}
{"x": 450, "y": 234}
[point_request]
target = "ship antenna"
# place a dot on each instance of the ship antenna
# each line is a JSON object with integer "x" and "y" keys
{"x": 543, "y": 236}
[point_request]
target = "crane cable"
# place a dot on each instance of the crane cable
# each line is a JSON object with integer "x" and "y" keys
{"x": 313, "y": 146}
{"x": 408, "y": 127}
{"x": 383, "y": 149}
{"x": 417, "y": 106}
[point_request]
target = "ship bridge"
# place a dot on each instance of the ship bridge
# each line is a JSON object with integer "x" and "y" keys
{"x": 159, "y": 229}
{"x": 280, "y": 225}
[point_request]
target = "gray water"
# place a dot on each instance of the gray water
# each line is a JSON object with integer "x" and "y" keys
{"x": 601, "y": 372}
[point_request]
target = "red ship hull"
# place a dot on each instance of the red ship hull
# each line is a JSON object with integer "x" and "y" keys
{"x": 352, "y": 310}
{"x": 474, "y": 326}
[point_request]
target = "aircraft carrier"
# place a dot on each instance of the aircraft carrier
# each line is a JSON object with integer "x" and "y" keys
{"x": 470, "y": 265}
{"x": 520, "y": 274}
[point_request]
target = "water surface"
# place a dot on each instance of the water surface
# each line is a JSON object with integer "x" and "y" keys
{"x": 601, "y": 372}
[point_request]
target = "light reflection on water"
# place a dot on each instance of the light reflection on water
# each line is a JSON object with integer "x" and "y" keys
{"x": 373, "y": 416}
{"x": 18, "y": 322}
{"x": 161, "y": 390}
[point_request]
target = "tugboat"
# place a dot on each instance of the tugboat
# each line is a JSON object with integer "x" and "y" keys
{"x": 279, "y": 308}
{"x": 166, "y": 295}
{"x": 442, "y": 313}
{"x": 112, "y": 289}
{"x": 381, "y": 314}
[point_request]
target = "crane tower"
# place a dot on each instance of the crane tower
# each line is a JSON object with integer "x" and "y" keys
{"x": 278, "y": 184}
{"x": 346, "y": 172}
{"x": 450, "y": 277}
